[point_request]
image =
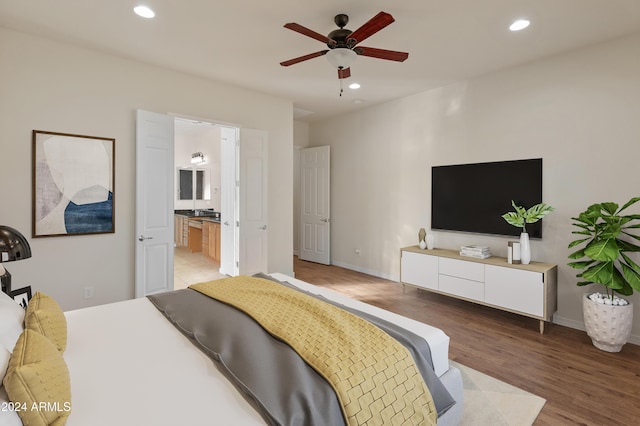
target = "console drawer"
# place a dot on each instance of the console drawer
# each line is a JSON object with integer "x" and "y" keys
{"x": 461, "y": 269}
{"x": 468, "y": 289}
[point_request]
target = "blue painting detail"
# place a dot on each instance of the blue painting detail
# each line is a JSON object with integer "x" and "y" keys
{"x": 86, "y": 218}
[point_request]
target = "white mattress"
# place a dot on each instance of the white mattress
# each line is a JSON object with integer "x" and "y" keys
{"x": 130, "y": 366}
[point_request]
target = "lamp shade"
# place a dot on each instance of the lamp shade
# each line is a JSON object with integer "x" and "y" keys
{"x": 13, "y": 245}
{"x": 341, "y": 57}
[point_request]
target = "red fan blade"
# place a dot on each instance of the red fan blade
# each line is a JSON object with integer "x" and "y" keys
{"x": 344, "y": 73}
{"x": 390, "y": 55}
{"x": 309, "y": 33}
{"x": 374, "y": 25}
{"x": 303, "y": 58}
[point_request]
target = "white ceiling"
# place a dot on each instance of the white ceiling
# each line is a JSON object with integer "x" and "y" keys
{"x": 243, "y": 41}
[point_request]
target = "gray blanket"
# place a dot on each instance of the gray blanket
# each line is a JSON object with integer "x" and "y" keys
{"x": 270, "y": 375}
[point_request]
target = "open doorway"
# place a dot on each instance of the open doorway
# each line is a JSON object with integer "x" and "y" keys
{"x": 243, "y": 206}
{"x": 197, "y": 202}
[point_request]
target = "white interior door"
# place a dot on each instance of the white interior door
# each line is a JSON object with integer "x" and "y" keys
{"x": 154, "y": 203}
{"x": 252, "y": 192}
{"x": 315, "y": 222}
{"x": 228, "y": 218}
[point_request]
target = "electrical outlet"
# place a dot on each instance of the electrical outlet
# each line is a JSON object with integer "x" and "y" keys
{"x": 88, "y": 292}
{"x": 357, "y": 251}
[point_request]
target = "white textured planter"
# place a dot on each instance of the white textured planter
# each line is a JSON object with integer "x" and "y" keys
{"x": 609, "y": 326}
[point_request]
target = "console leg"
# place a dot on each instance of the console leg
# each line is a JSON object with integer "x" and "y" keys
{"x": 541, "y": 327}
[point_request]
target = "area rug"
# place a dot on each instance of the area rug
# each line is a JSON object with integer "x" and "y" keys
{"x": 491, "y": 402}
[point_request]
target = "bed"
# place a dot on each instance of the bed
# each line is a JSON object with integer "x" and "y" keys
{"x": 129, "y": 365}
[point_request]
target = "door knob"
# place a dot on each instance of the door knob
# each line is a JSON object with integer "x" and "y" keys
{"x": 142, "y": 238}
{"x": 325, "y": 220}
{"x": 226, "y": 223}
{"x": 263, "y": 227}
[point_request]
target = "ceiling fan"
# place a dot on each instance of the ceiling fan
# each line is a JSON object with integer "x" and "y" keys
{"x": 343, "y": 43}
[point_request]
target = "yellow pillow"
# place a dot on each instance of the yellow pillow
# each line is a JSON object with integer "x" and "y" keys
{"x": 45, "y": 316}
{"x": 37, "y": 381}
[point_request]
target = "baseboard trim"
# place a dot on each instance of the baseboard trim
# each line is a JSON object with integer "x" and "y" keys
{"x": 364, "y": 270}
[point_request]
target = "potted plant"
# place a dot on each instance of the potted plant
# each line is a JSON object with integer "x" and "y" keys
{"x": 606, "y": 236}
{"x": 520, "y": 218}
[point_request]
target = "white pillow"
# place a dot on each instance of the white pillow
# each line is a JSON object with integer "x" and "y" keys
{"x": 8, "y": 417}
{"x": 11, "y": 321}
{"x": 4, "y": 363}
{"x": 5, "y": 355}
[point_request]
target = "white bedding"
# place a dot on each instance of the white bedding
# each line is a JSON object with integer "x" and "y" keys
{"x": 130, "y": 366}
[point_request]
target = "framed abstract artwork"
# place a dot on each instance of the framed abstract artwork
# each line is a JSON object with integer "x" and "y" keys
{"x": 73, "y": 184}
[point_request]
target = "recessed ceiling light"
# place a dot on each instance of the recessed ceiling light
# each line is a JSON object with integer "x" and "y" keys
{"x": 519, "y": 24}
{"x": 354, "y": 86}
{"x": 144, "y": 11}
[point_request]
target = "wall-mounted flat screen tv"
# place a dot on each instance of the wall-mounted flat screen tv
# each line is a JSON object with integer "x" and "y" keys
{"x": 473, "y": 197}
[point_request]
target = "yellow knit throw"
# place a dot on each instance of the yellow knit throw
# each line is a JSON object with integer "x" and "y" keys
{"x": 374, "y": 376}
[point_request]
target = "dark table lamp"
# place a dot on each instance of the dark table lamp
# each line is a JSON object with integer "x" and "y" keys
{"x": 13, "y": 246}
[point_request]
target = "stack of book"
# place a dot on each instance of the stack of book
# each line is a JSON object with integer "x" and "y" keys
{"x": 481, "y": 252}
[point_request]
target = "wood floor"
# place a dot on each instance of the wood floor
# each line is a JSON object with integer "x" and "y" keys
{"x": 582, "y": 385}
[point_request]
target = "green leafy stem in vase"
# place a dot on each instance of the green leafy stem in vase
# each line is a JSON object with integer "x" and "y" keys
{"x": 522, "y": 216}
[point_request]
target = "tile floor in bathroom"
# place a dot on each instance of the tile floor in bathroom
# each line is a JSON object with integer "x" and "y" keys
{"x": 192, "y": 268}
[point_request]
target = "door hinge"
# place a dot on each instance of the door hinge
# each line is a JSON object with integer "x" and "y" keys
{"x": 237, "y": 223}
{"x": 237, "y": 264}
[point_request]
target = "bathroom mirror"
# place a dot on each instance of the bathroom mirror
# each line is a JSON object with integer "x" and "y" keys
{"x": 194, "y": 183}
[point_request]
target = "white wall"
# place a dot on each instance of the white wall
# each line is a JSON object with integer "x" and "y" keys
{"x": 58, "y": 87}
{"x": 579, "y": 111}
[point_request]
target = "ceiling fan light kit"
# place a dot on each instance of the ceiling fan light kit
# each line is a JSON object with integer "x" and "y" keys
{"x": 343, "y": 43}
{"x": 341, "y": 57}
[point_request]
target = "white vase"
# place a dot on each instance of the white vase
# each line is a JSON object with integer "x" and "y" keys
{"x": 609, "y": 326}
{"x": 429, "y": 241}
{"x": 525, "y": 249}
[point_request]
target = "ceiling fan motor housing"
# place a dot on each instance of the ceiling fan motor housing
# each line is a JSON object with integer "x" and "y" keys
{"x": 340, "y": 36}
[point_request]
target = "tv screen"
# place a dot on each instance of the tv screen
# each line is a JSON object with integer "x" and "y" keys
{"x": 473, "y": 197}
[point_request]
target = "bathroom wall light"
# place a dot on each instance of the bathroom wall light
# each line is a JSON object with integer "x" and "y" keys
{"x": 197, "y": 158}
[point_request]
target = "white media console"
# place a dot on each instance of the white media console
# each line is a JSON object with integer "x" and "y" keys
{"x": 529, "y": 290}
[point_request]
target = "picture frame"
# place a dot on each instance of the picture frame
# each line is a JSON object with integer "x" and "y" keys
{"x": 21, "y": 296}
{"x": 73, "y": 178}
